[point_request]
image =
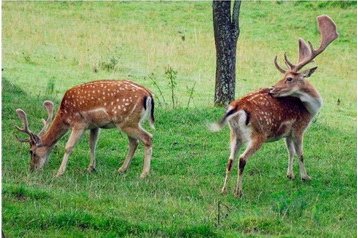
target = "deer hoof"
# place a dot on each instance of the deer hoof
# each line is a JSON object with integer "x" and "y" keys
{"x": 306, "y": 178}
{"x": 91, "y": 169}
{"x": 144, "y": 175}
{"x": 238, "y": 193}
{"x": 121, "y": 171}
{"x": 59, "y": 174}
{"x": 291, "y": 176}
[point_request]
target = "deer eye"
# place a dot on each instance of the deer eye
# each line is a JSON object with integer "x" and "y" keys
{"x": 289, "y": 79}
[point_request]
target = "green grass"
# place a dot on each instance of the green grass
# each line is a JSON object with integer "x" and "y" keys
{"x": 49, "y": 47}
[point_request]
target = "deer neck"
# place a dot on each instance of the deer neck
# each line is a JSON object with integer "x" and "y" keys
{"x": 56, "y": 130}
{"x": 311, "y": 99}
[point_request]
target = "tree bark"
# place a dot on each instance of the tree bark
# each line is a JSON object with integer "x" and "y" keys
{"x": 226, "y": 33}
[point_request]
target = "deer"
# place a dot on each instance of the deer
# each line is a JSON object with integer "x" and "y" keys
{"x": 101, "y": 104}
{"x": 284, "y": 110}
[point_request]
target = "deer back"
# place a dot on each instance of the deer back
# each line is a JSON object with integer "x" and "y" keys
{"x": 104, "y": 104}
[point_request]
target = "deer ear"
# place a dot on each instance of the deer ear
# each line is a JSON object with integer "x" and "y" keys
{"x": 308, "y": 72}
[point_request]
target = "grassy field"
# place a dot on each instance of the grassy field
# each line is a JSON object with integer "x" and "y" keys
{"x": 49, "y": 47}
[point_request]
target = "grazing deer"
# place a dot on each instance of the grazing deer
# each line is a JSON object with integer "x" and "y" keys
{"x": 94, "y": 105}
{"x": 282, "y": 111}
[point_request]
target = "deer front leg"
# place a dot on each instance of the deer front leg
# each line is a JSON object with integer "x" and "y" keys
{"x": 291, "y": 154}
{"x": 93, "y": 142}
{"x": 74, "y": 137}
{"x": 298, "y": 141}
{"x": 251, "y": 148}
{"x": 133, "y": 144}
{"x": 234, "y": 147}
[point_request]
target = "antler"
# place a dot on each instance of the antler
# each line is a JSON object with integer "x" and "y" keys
{"x": 307, "y": 53}
{"x": 23, "y": 117}
{"x": 49, "y": 108}
{"x": 288, "y": 63}
{"x": 278, "y": 66}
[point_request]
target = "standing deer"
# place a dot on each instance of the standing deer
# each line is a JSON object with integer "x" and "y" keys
{"x": 282, "y": 111}
{"x": 94, "y": 105}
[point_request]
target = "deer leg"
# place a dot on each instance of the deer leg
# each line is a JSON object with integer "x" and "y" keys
{"x": 146, "y": 138}
{"x": 234, "y": 147}
{"x": 133, "y": 144}
{"x": 298, "y": 141}
{"x": 251, "y": 148}
{"x": 291, "y": 154}
{"x": 74, "y": 137}
{"x": 93, "y": 142}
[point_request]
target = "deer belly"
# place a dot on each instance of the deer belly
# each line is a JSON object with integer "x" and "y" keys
{"x": 98, "y": 118}
{"x": 282, "y": 131}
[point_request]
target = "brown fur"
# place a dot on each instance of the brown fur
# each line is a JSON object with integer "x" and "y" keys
{"x": 268, "y": 114}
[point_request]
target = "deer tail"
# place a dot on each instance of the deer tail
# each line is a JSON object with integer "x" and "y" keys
{"x": 217, "y": 126}
{"x": 149, "y": 110}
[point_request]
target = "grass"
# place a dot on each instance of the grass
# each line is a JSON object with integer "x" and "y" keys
{"x": 140, "y": 41}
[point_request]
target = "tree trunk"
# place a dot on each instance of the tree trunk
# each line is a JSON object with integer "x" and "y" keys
{"x": 226, "y": 33}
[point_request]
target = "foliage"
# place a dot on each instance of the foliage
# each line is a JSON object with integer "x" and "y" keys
{"x": 171, "y": 76}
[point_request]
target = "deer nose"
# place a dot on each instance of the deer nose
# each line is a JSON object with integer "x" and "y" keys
{"x": 271, "y": 89}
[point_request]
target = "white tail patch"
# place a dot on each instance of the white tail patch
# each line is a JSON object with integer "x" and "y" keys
{"x": 147, "y": 112}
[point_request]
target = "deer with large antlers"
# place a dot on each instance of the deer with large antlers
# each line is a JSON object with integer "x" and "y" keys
{"x": 94, "y": 105}
{"x": 282, "y": 111}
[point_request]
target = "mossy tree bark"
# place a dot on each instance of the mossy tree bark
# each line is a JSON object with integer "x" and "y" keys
{"x": 226, "y": 33}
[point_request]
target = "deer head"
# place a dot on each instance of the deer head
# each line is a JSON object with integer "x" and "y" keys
{"x": 38, "y": 152}
{"x": 293, "y": 81}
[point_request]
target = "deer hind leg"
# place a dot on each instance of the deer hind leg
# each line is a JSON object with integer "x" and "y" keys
{"x": 72, "y": 140}
{"x": 251, "y": 148}
{"x": 291, "y": 154}
{"x": 234, "y": 148}
{"x": 298, "y": 142}
{"x": 133, "y": 144}
{"x": 146, "y": 138}
{"x": 93, "y": 142}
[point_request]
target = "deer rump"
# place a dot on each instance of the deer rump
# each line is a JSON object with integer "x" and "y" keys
{"x": 262, "y": 114}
